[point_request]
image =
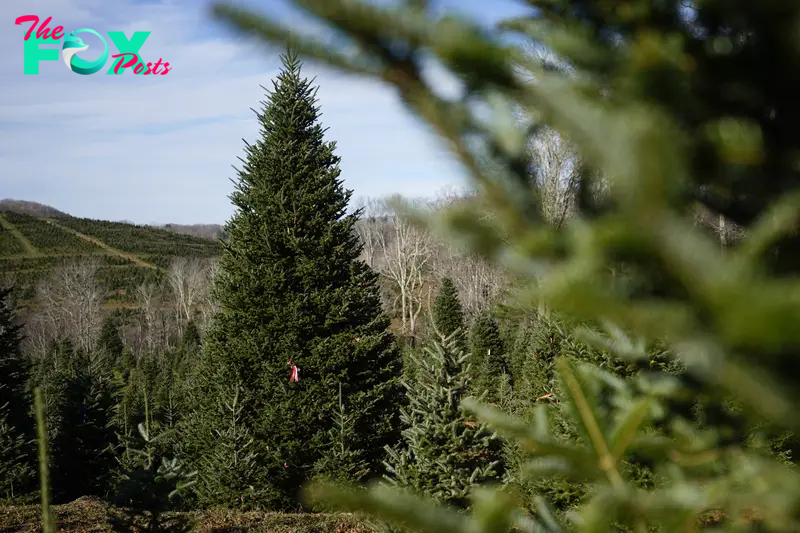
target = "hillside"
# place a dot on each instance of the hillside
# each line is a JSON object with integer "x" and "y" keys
{"x": 25, "y": 207}
{"x": 30, "y": 247}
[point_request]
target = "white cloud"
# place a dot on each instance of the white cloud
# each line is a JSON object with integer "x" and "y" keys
{"x": 113, "y": 146}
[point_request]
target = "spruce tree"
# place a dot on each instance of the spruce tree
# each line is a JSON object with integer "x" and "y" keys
{"x": 291, "y": 287}
{"x": 444, "y": 454}
{"x": 489, "y": 359}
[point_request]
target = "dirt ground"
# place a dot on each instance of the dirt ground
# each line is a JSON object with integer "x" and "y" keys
{"x": 87, "y": 515}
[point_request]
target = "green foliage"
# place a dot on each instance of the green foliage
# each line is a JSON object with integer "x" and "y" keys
{"x": 110, "y": 342}
{"x": 9, "y": 244}
{"x": 342, "y": 463}
{"x": 443, "y": 454}
{"x": 48, "y": 520}
{"x": 668, "y": 107}
{"x": 489, "y": 359}
{"x": 446, "y": 311}
{"x": 15, "y": 466}
{"x": 14, "y": 368}
{"x": 48, "y": 238}
{"x": 150, "y": 488}
{"x": 291, "y": 288}
{"x": 137, "y": 239}
{"x": 191, "y": 337}
{"x": 220, "y": 445}
{"x": 82, "y": 453}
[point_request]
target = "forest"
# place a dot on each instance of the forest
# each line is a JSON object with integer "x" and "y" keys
{"x": 599, "y": 335}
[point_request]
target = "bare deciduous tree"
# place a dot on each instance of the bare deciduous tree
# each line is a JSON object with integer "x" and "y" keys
{"x": 556, "y": 171}
{"x": 71, "y": 301}
{"x": 188, "y": 279}
{"x": 209, "y": 306}
{"x": 406, "y": 251}
{"x": 148, "y": 302}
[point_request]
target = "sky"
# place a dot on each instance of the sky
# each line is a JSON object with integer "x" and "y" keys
{"x": 161, "y": 149}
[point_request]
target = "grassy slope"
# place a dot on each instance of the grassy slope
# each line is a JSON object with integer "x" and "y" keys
{"x": 31, "y": 247}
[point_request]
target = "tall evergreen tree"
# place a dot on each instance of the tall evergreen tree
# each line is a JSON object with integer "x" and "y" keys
{"x": 14, "y": 368}
{"x": 489, "y": 358}
{"x": 110, "y": 341}
{"x": 443, "y": 454}
{"x": 291, "y": 288}
{"x": 447, "y": 313}
{"x": 15, "y": 422}
{"x": 82, "y": 457}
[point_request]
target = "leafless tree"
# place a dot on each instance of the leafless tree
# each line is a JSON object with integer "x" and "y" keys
{"x": 477, "y": 281}
{"x": 406, "y": 250}
{"x": 556, "y": 171}
{"x": 148, "y": 302}
{"x": 373, "y": 226}
{"x": 208, "y": 306}
{"x": 188, "y": 279}
{"x": 71, "y": 301}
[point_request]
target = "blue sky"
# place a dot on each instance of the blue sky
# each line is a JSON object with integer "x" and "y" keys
{"x": 160, "y": 149}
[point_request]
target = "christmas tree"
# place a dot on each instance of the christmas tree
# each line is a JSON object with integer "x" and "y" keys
{"x": 444, "y": 454}
{"x": 110, "y": 342}
{"x": 16, "y": 425}
{"x": 446, "y": 311}
{"x": 14, "y": 369}
{"x": 292, "y": 289}
{"x": 489, "y": 359}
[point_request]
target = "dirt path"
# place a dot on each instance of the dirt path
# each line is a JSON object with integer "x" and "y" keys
{"x": 30, "y": 249}
{"x": 104, "y": 246}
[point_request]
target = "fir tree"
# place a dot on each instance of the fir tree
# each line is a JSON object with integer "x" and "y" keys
{"x": 16, "y": 470}
{"x": 443, "y": 454}
{"x": 14, "y": 368}
{"x": 110, "y": 342}
{"x": 225, "y": 454}
{"x": 489, "y": 359}
{"x": 191, "y": 336}
{"x": 151, "y": 487}
{"x": 291, "y": 288}
{"x": 447, "y": 314}
{"x": 82, "y": 448}
{"x": 15, "y": 421}
{"x": 342, "y": 463}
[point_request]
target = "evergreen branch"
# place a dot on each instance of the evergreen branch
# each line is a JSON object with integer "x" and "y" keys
{"x": 606, "y": 459}
{"x": 48, "y": 521}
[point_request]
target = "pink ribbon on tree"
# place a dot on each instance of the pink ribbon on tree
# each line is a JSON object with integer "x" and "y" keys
{"x": 295, "y": 377}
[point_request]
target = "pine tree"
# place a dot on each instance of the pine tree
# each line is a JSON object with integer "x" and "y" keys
{"x": 444, "y": 454}
{"x": 291, "y": 288}
{"x": 447, "y": 314}
{"x": 489, "y": 360}
{"x": 110, "y": 342}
